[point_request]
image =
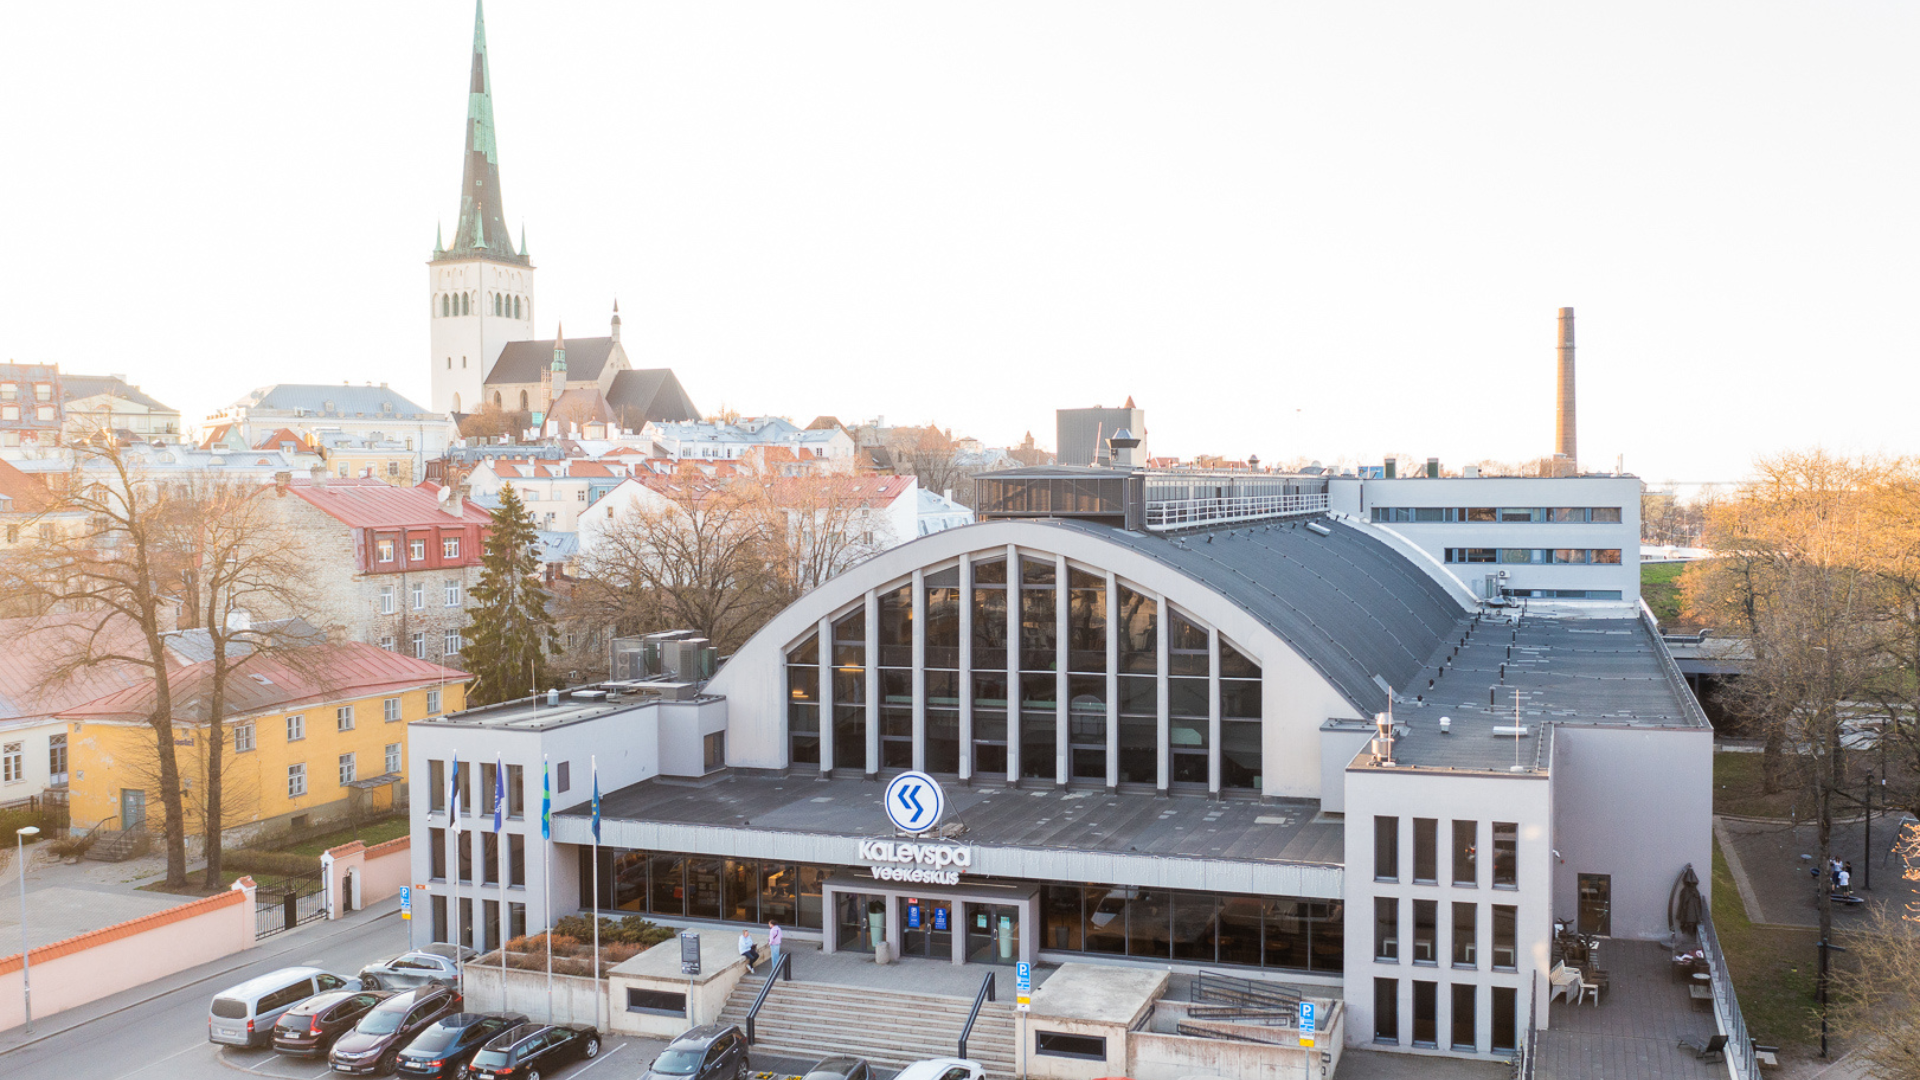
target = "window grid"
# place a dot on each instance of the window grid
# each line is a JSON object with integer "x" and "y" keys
{"x": 296, "y": 780}
{"x": 347, "y": 769}
{"x": 296, "y": 727}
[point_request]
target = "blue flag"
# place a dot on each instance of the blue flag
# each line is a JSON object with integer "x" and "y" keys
{"x": 499, "y": 793}
{"x": 453, "y": 795}
{"x": 546, "y": 802}
{"x": 596, "y": 800}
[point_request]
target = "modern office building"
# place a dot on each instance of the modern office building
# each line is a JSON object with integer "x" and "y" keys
{"x": 1177, "y": 720}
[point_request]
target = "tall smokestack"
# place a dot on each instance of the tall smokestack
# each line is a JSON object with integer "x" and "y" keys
{"x": 1565, "y": 433}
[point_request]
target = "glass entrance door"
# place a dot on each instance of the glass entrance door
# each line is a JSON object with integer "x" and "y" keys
{"x": 926, "y": 928}
{"x": 993, "y": 933}
{"x": 859, "y": 921}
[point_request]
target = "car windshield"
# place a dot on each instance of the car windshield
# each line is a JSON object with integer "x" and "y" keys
{"x": 680, "y": 1062}
{"x": 229, "y": 1008}
{"x": 381, "y": 1022}
{"x": 435, "y": 1040}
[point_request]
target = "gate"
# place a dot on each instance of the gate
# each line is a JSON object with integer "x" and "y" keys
{"x": 297, "y": 900}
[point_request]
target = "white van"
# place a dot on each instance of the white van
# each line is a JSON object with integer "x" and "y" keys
{"x": 243, "y": 1015}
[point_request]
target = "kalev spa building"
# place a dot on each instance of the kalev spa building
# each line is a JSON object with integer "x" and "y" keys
{"x": 1236, "y": 723}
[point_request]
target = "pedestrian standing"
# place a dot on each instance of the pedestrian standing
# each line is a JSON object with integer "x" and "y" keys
{"x": 774, "y": 938}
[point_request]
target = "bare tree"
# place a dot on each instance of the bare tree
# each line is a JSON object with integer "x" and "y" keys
{"x": 1879, "y": 1010}
{"x": 493, "y": 422}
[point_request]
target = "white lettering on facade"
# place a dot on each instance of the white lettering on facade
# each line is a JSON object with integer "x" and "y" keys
{"x": 931, "y": 861}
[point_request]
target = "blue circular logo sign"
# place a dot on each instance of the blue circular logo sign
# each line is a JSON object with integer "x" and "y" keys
{"x": 915, "y": 802}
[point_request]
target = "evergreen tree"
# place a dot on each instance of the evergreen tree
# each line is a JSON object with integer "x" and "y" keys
{"x": 509, "y": 630}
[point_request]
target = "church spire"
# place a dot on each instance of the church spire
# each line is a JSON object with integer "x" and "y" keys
{"x": 483, "y": 227}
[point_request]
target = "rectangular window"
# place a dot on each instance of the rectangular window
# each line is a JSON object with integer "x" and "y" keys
{"x": 386, "y": 642}
{"x": 1607, "y": 514}
{"x": 296, "y": 728}
{"x": 296, "y": 780}
{"x": 1465, "y": 861}
{"x": 1426, "y": 917}
{"x": 562, "y": 777}
{"x": 1596, "y": 904}
{"x": 417, "y": 550}
{"x": 1386, "y": 848}
{"x": 516, "y": 859}
{"x": 1506, "y": 851}
{"x": 386, "y": 599}
{"x": 419, "y": 645}
{"x": 1426, "y": 1014}
{"x": 343, "y": 718}
{"x": 390, "y": 709}
{"x": 1426, "y": 837}
{"x": 437, "y": 856}
{"x": 243, "y": 737}
{"x": 433, "y": 703}
{"x": 419, "y": 595}
{"x": 382, "y": 548}
{"x": 393, "y": 468}
{"x": 57, "y": 758}
{"x": 656, "y": 1002}
{"x": 1505, "y": 921}
{"x": 1465, "y": 1037}
{"x": 1505, "y": 1030}
{"x": 1386, "y": 1011}
{"x": 516, "y": 793}
{"x": 1386, "y": 928}
{"x": 436, "y": 787}
{"x": 451, "y": 643}
{"x": 1465, "y": 917}
{"x": 450, "y": 547}
{"x": 1061, "y": 1044}
{"x": 348, "y": 772}
{"x": 452, "y": 591}
{"x": 13, "y": 762}
{"x": 43, "y": 391}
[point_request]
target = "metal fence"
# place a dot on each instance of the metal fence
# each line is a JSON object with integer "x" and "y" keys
{"x": 1726, "y": 1006}
{"x": 1530, "y": 1041}
{"x": 1187, "y": 513}
{"x": 299, "y": 900}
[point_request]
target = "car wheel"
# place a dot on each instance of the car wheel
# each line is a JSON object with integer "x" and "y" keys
{"x": 593, "y": 1048}
{"x": 388, "y": 1062}
{"x": 740, "y": 1071}
{"x": 369, "y": 982}
{"x": 534, "y": 1075}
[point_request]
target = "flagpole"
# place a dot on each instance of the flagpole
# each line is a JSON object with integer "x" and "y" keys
{"x": 500, "y": 861}
{"x": 453, "y": 857}
{"x": 546, "y": 871}
{"x": 595, "y": 759}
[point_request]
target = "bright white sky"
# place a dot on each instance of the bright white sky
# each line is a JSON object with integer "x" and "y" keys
{"x": 1336, "y": 230}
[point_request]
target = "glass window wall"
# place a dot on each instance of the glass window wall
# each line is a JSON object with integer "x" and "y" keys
{"x": 850, "y": 690}
{"x": 803, "y": 702}
{"x": 1207, "y": 928}
{"x": 701, "y": 887}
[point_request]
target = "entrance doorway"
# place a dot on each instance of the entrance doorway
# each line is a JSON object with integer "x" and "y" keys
{"x": 993, "y": 933}
{"x": 859, "y": 921}
{"x": 133, "y": 808}
{"x": 926, "y": 928}
{"x": 1596, "y": 904}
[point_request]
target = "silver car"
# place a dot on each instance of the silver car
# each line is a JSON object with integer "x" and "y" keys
{"x": 436, "y": 963}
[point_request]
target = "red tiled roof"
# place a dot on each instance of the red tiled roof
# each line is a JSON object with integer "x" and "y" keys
{"x": 366, "y": 503}
{"x": 29, "y": 493}
{"x": 282, "y": 435}
{"x": 269, "y": 683}
{"x": 39, "y": 645}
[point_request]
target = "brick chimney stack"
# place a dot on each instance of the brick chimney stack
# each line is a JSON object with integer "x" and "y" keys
{"x": 1565, "y": 431}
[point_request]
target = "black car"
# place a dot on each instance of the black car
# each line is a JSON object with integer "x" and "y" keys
{"x": 840, "y": 1068}
{"x": 524, "y": 1052}
{"x": 309, "y": 1028}
{"x": 711, "y": 1052}
{"x": 439, "y": 1052}
{"x": 374, "y": 1043}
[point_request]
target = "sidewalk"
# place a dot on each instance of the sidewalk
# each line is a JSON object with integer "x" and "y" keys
{"x": 67, "y": 900}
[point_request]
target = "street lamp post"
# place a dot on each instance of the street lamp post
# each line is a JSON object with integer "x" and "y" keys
{"x": 1866, "y": 842}
{"x": 20, "y": 838}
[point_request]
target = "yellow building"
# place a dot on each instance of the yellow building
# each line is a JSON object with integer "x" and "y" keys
{"x": 309, "y": 736}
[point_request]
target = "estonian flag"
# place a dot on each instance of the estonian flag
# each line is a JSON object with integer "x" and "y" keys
{"x": 453, "y": 795}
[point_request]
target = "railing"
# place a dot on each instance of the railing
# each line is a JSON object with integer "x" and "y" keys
{"x": 300, "y": 900}
{"x": 985, "y": 995}
{"x": 1211, "y": 986}
{"x": 782, "y": 966}
{"x": 1530, "y": 1042}
{"x": 1726, "y": 1006}
{"x": 1187, "y": 513}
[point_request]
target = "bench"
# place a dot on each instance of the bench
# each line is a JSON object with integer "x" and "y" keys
{"x": 1700, "y": 992}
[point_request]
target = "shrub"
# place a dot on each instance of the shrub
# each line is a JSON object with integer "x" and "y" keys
{"x": 621, "y": 953}
{"x": 71, "y": 846}
{"x": 246, "y": 860}
{"x": 631, "y": 930}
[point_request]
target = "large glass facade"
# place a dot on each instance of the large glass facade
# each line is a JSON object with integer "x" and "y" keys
{"x": 1035, "y": 633}
{"x": 684, "y": 886}
{"x": 1293, "y": 933}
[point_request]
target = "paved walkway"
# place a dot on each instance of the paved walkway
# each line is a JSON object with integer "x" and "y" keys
{"x": 1778, "y": 887}
{"x": 923, "y": 975}
{"x": 1635, "y": 1030}
{"x": 1356, "y": 1064}
{"x": 64, "y": 901}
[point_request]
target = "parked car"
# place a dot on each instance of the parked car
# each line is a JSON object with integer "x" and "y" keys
{"x": 309, "y": 1028}
{"x": 840, "y": 1068}
{"x": 442, "y": 1050}
{"x": 709, "y": 1052}
{"x": 942, "y": 1069}
{"x": 373, "y": 1046}
{"x": 527, "y": 1051}
{"x": 436, "y": 963}
{"x": 244, "y": 1015}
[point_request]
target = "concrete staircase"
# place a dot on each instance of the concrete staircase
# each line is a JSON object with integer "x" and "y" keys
{"x": 888, "y": 1028}
{"x": 119, "y": 845}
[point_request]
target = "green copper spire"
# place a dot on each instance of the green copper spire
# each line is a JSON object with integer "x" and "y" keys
{"x": 560, "y": 348}
{"x": 523, "y": 240}
{"x": 438, "y": 246}
{"x": 483, "y": 227}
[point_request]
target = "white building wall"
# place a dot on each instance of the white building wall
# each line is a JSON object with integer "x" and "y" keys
{"x": 34, "y": 737}
{"x": 1447, "y": 796}
{"x": 464, "y": 347}
{"x": 1359, "y": 497}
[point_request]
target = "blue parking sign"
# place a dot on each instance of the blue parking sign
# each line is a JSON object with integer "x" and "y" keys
{"x": 1306, "y": 1018}
{"x": 406, "y": 902}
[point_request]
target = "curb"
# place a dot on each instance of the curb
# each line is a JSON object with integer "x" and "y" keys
{"x": 1738, "y": 871}
{"x": 250, "y": 956}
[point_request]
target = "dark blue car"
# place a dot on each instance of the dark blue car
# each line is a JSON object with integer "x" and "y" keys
{"x": 442, "y": 1049}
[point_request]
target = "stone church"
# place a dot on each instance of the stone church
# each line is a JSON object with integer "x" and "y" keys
{"x": 485, "y": 351}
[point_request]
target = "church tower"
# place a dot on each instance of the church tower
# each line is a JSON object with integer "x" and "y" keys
{"x": 480, "y": 287}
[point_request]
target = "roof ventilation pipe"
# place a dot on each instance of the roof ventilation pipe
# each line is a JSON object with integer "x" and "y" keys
{"x": 1316, "y": 527}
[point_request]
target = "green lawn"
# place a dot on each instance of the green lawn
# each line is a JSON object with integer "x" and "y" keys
{"x": 371, "y": 833}
{"x": 1660, "y": 588}
{"x": 1774, "y": 970}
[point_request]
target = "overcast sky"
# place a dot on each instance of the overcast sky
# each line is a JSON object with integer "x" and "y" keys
{"x": 1331, "y": 230}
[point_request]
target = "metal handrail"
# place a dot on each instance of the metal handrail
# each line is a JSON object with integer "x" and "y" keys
{"x": 1185, "y": 513}
{"x": 985, "y": 995}
{"x": 1741, "y": 1059}
{"x": 780, "y": 966}
{"x": 1530, "y": 1042}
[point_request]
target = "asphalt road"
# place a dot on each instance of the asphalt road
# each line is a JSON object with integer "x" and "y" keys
{"x": 159, "y": 1032}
